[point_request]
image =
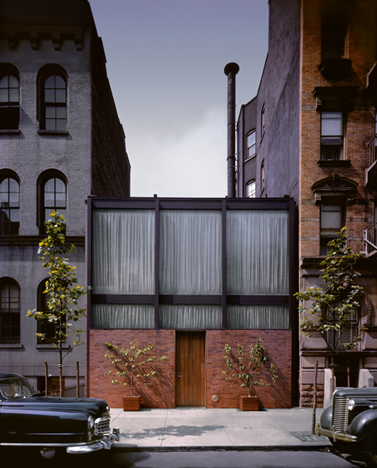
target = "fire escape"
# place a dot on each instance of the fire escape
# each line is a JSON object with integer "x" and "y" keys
{"x": 370, "y": 234}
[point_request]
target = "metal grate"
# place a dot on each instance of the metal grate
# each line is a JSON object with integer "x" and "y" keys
{"x": 102, "y": 425}
{"x": 340, "y": 414}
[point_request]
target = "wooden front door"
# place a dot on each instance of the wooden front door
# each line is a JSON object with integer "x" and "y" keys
{"x": 190, "y": 369}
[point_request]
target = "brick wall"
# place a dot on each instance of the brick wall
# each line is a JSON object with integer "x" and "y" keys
{"x": 162, "y": 393}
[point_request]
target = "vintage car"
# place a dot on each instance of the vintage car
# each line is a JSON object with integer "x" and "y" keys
{"x": 50, "y": 424}
{"x": 351, "y": 423}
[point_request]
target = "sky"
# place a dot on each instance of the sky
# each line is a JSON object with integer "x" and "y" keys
{"x": 165, "y": 63}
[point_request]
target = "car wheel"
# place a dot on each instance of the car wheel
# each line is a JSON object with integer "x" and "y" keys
{"x": 369, "y": 451}
{"x": 48, "y": 453}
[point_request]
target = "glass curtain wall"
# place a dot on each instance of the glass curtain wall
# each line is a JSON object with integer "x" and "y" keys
{"x": 190, "y": 264}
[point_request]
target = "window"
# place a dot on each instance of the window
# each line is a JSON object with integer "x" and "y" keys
{"x": 250, "y": 189}
{"x": 332, "y": 220}
{"x": 9, "y": 312}
{"x": 9, "y": 206}
{"x": 251, "y": 144}
{"x": 262, "y": 121}
{"x": 333, "y": 38}
{"x": 53, "y": 100}
{"x": 52, "y": 196}
{"x": 9, "y": 101}
{"x": 331, "y": 136}
{"x": 262, "y": 177}
{"x": 46, "y": 327}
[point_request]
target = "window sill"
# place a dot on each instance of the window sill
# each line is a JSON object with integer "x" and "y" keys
{"x": 10, "y": 131}
{"x": 334, "y": 163}
{"x": 251, "y": 157}
{"x": 50, "y": 346}
{"x": 53, "y": 132}
{"x": 11, "y": 346}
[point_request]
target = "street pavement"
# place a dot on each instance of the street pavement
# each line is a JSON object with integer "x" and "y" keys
{"x": 217, "y": 429}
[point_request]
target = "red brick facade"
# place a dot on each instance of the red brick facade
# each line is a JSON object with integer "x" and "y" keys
{"x": 162, "y": 393}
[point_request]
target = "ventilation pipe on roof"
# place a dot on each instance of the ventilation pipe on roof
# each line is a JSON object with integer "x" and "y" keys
{"x": 231, "y": 71}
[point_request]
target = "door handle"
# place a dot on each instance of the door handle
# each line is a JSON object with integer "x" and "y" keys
{"x": 178, "y": 374}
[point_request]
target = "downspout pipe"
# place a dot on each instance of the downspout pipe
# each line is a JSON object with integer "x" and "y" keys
{"x": 231, "y": 70}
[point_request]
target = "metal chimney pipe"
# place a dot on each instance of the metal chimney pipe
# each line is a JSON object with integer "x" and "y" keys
{"x": 231, "y": 71}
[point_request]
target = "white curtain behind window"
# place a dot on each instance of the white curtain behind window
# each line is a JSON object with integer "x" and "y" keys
{"x": 258, "y": 317}
{"x": 257, "y": 252}
{"x": 123, "y": 252}
{"x": 122, "y": 316}
{"x": 190, "y": 252}
{"x": 190, "y": 317}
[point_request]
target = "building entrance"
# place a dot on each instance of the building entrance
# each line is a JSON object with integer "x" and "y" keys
{"x": 190, "y": 369}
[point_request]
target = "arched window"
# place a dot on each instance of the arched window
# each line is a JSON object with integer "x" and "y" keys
{"x": 52, "y": 196}
{"x": 9, "y": 204}
{"x": 9, "y": 98}
{"x": 9, "y": 311}
{"x": 53, "y": 99}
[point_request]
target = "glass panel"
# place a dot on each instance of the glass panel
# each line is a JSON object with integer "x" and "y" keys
{"x": 190, "y": 252}
{"x": 190, "y": 317}
{"x": 60, "y": 200}
{"x": 13, "y": 95}
{"x": 258, "y": 317}
{"x": 13, "y": 81}
{"x": 61, "y": 125}
{"x": 61, "y": 112}
{"x": 15, "y": 215}
{"x": 4, "y": 82}
{"x": 60, "y": 95}
{"x": 50, "y": 82}
{"x": 50, "y": 112}
{"x": 4, "y": 186}
{"x": 332, "y": 124}
{"x": 123, "y": 251}
{"x": 49, "y": 95}
{"x": 50, "y": 124}
{"x": 122, "y": 316}
{"x": 59, "y": 186}
{"x": 4, "y": 97}
{"x": 59, "y": 82}
{"x": 331, "y": 219}
{"x": 14, "y": 200}
{"x": 50, "y": 185}
{"x": 49, "y": 199}
{"x": 13, "y": 185}
{"x": 257, "y": 252}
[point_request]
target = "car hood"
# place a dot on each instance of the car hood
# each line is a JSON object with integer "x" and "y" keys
{"x": 92, "y": 406}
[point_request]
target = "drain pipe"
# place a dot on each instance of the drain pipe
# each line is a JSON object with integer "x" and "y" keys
{"x": 231, "y": 71}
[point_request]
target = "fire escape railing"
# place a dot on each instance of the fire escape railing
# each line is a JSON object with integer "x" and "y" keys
{"x": 370, "y": 240}
{"x": 372, "y": 145}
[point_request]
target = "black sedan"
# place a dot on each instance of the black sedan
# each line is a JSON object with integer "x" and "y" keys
{"x": 29, "y": 419}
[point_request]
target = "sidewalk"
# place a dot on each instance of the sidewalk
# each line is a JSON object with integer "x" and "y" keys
{"x": 216, "y": 429}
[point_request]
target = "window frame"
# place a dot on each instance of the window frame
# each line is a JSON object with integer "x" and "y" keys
{"x": 48, "y": 72}
{"x": 41, "y": 209}
{"x": 251, "y": 189}
{"x": 328, "y": 234}
{"x": 9, "y": 175}
{"x": 332, "y": 145}
{"x": 251, "y": 148}
{"x": 10, "y": 108}
{"x": 12, "y": 338}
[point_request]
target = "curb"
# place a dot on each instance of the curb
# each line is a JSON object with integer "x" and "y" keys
{"x": 216, "y": 448}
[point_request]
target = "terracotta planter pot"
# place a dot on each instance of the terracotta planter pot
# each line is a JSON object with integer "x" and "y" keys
{"x": 131, "y": 403}
{"x": 249, "y": 403}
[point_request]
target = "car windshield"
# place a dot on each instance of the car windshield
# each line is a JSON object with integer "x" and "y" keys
{"x": 15, "y": 387}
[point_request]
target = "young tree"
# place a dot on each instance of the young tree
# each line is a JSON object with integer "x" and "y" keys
{"x": 332, "y": 310}
{"x": 62, "y": 291}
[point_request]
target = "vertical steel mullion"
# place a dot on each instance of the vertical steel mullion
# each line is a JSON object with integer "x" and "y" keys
{"x": 88, "y": 253}
{"x": 157, "y": 263}
{"x": 223, "y": 266}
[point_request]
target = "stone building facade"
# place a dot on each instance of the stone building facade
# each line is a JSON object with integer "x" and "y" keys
{"x": 310, "y": 133}
{"x": 60, "y": 141}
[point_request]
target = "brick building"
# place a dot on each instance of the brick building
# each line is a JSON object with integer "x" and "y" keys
{"x": 310, "y": 133}
{"x": 60, "y": 141}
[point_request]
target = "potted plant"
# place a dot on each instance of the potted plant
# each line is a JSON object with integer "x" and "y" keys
{"x": 252, "y": 370}
{"x": 132, "y": 367}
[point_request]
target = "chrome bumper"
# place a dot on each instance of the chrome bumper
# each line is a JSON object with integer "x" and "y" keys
{"x": 105, "y": 443}
{"x": 333, "y": 434}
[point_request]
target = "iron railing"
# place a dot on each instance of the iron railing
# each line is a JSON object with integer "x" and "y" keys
{"x": 370, "y": 240}
{"x": 372, "y": 146}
